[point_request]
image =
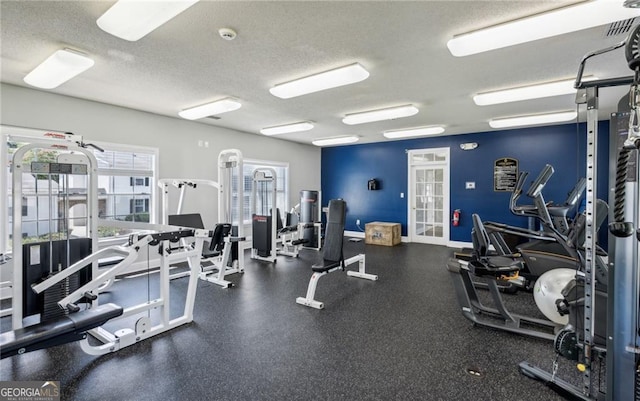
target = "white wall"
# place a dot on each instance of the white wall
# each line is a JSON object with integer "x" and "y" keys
{"x": 176, "y": 139}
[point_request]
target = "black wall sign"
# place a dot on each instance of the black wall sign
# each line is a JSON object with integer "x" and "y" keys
{"x": 505, "y": 174}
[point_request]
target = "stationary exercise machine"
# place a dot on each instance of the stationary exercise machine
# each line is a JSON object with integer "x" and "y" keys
{"x": 332, "y": 255}
{"x": 264, "y": 215}
{"x": 492, "y": 268}
{"x": 221, "y": 256}
{"x": 77, "y": 324}
{"x": 50, "y": 178}
{"x": 623, "y": 325}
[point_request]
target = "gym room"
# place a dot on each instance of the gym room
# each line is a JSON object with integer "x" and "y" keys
{"x": 320, "y": 200}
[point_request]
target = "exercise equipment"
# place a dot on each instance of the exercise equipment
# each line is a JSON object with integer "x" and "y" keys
{"x": 492, "y": 268}
{"x": 551, "y": 248}
{"x": 221, "y": 255}
{"x": 622, "y": 304}
{"x": 67, "y": 171}
{"x": 263, "y": 221}
{"x": 82, "y": 325}
{"x": 548, "y": 289}
{"x": 311, "y": 216}
{"x": 332, "y": 254}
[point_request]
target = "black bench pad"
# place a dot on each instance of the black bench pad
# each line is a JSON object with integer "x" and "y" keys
{"x": 325, "y": 267}
{"x": 32, "y": 336}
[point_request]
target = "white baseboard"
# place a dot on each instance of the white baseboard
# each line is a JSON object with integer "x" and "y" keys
{"x": 354, "y": 234}
{"x": 459, "y": 244}
{"x": 360, "y": 234}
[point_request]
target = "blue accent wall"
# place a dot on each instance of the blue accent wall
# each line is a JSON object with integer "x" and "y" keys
{"x": 346, "y": 170}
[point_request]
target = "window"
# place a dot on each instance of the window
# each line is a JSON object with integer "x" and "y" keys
{"x": 125, "y": 175}
{"x": 126, "y": 189}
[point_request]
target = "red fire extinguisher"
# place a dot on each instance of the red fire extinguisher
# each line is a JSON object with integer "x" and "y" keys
{"x": 456, "y": 218}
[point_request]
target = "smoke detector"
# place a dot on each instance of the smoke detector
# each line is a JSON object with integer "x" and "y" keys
{"x": 227, "y": 33}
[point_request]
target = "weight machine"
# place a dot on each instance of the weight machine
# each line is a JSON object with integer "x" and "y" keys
{"x": 221, "y": 256}
{"x": 264, "y": 232}
{"x": 57, "y": 245}
{"x": 623, "y": 317}
{"x": 80, "y": 325}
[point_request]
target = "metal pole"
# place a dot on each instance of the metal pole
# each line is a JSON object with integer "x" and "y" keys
{"x": 590, "y": 235}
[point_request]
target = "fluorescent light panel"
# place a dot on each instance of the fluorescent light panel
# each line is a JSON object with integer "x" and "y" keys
{"x": 134, "y": 19}
{"x": 568, "y": 19}
{"x": 60, "y": 67}
{"x": 525, "y": 93}
{"x": 340, "y": 140}
{"x": 210, "y": 109}
{"x": 413, "y": 132}
{"x": 380, "y": 115}
{"x": 346, "y": 75}
{"x": 286, "y": 129}
{"x": 537, "y": 119}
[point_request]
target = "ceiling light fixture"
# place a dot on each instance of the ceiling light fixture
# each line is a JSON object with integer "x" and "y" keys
{"x": 526, "y": 93}
{"x": 346, "y": 75}
{"x": 556, "y": 22}
{"x": 413, "y": 132}
{"x": 390, "y": 113}
{"x": 134, "y": 19}
{"x": 210, "y": 109}
{"x": 537, "y": 119}
{"x": 60, "y": 67}
{"x": 340, "y": 140}
{"x": 287, "y": 129}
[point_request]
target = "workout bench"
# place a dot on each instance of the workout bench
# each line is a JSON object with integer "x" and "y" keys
{"x": 332, "y": 254}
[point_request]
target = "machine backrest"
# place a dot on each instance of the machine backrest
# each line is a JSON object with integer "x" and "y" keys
{"x": 334, "y": 233}
{"x": 217, "y": 239}
{"x": 480, "y": 237}
{"x": 278, "y": 220}
{"x": 191, "y": 220}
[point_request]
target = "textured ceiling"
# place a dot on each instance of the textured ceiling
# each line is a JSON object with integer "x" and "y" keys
{"x": 185, "y": 63}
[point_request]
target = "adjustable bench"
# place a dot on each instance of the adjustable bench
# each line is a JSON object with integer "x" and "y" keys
{"x": 332, "y": 254}
{"x": 65, "y": 329}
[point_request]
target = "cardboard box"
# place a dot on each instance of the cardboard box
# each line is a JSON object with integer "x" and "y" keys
{"x": 381, "y": 233}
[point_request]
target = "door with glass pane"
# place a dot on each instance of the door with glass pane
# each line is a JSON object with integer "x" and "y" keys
{"x": 429, "y": 196}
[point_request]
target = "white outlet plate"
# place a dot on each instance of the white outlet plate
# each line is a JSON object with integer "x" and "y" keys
{"x": 470, "y": 185}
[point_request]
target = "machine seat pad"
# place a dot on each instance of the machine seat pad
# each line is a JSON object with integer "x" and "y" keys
{"x": 73, "y": 323}
{"x": 208, "y": 253}
{"x": 326, "y": 266}
{"x": 495, "y": 266}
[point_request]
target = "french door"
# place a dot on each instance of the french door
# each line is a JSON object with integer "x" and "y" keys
{"x": 429, "y": 196}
